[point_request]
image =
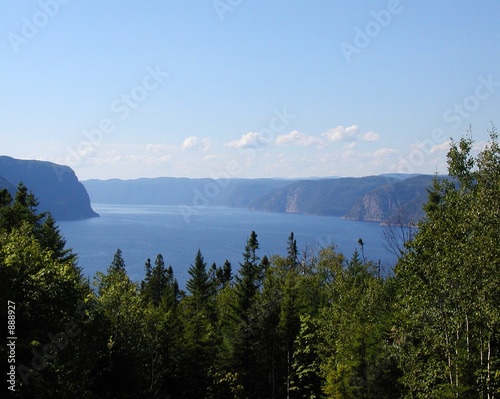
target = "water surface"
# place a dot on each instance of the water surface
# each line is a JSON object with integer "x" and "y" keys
{"x": 143, "y": 231}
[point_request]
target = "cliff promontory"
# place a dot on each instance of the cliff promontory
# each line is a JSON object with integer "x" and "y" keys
{"x": 56, "y": 187}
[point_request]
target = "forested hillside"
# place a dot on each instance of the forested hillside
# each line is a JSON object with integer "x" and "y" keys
{"x": 373, "y": 198}
{"x": 306, "y": 325}
{"x": 56, "y": 186}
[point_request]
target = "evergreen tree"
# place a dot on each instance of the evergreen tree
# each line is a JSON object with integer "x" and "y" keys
{"x": 118, "y": 264}
{"x": 39, "y": 276}
{"x": 292, "y": 252}
{"x": 249, "y": 278}
{"x": 51, "y": 238}
{"x": 246, "y": 289}
{"x": 223, "y": 275}
{"x": 199, "y": 329}
{"x": 147, "y": 278}
{"x": 24, "y": 207}
{"x": 199, "y": 284}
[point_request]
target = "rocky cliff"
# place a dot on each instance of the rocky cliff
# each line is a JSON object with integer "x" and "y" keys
{"x": 56, "y": 187}
{"x": 396, "y": 202}
{"x": 374, "y": 198}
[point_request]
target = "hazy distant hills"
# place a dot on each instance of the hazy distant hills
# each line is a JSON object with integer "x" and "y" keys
{"x": 237, "y": 193}
{"x": 56, "y": 187}
{"x": 4, "y": 184}
{"x": 374, "y": 198}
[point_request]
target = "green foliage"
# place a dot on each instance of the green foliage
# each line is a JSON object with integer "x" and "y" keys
{"x": 159, "y": 285}
{"x": 448, "y": 314}
{"x": 40, "y": 276}
{"x": 249, "y": 279}
{"x": 307, "y": 378}
{"x": 322, "y": 326}
{"x": 222, "y": 275}
{"x": 118, "y": 264}
{"x": 354, "y": 329}
{"x": 292, "y": 251}
{"x": 199, "y": 285}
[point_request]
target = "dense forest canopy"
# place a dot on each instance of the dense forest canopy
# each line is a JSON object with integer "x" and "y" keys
{"x": 311, "y": 324}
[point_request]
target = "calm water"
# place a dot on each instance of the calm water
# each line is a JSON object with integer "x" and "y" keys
{"x": 143, "y": 231}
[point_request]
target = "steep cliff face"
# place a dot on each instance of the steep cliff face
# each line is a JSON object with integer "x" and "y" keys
{"x": 372, "y": 207}
{"x": 374, "y": 198}
{"x": 334, "y": 197}
{"x": 398, "y": 202}
{"x": 56, "y": 187}
{"x": 292, "y": 200}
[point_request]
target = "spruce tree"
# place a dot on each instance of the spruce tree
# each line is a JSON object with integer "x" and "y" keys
{"x": 51, "y": 238}
{"x": 118, "y": 263}
{"x": 292, "y": 252}
{"x": 199, "y": 285}
{"x": 199, "y": 324}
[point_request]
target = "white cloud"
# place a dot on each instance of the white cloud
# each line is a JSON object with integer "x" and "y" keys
{"x": 349, "y": 134}
{"x": 250, "y": 139}
{"x": 348, "y": 155}
{"x": 443, "y": 147}
{"x": 350, "y": 146}
{"x": 370, "y": 136}
{"x": 341, "y": 133}
{"x": 298, "y": 138}
{"x": 156, "y": 147}
{"x": 211, "y": 157}
{"x": 384, "y": 152}
{"x": 113, "y": 159}
{"x": 194, "y": 143}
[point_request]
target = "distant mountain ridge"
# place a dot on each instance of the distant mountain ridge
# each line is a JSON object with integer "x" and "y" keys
{"x": 56, "y": 187}
{"x": 385, "y": 198}
{"x": 236, "y": 193}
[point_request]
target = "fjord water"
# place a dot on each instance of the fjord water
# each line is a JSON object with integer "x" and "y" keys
{"x": 143, "y": 231}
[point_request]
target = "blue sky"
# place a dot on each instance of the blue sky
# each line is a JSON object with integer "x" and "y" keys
{"x": 240, "y": 88}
